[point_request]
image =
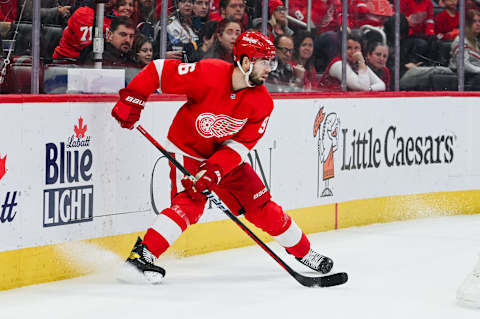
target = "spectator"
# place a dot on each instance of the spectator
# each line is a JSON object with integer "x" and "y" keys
{"x": 377, "y": 56}
{"x": 284, "y": 74}
{"x": 359, "y": 76}
{"x": 422, "y": 39}
{"x": 125, "y": 8}
{"x": 303, "y": 60}
{"x": 51, "y": 11}
{"x": 225, "y": 35}
{"x": 119, "y": 43}
{"x": 78, "y": 34}
{"x": 472, "y": 48}
{"x": 8, "y": 11}
{"x": 256, "y": 26}
{"x": 207, "y": 38}
{"x": 368, "y": 12}
{"x": 142, "y": 50}
{"x": 278, "y": 18}
{"x": 325, "y": 14}
{"x": 200, "y": 14}
{"x": 181, "y": 36}
{"x": 146, "y": 11}
{"x": 233, "y": 10}
{"x": 446, "y": 22}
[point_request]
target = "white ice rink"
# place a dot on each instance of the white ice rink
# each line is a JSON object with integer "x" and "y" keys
{"x": 398, "y": 270}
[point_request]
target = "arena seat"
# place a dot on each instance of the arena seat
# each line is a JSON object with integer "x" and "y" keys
{"x": 19, "y": 76}
{"x": 444, "y": 82}
{"x": 49, "y": 38}
{"x": 23, "y": 40}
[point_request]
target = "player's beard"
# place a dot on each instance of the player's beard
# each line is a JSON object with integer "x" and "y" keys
{"x": 255, "y": 79}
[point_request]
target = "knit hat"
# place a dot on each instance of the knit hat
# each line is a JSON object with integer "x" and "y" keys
{"x": 273, "y": 4}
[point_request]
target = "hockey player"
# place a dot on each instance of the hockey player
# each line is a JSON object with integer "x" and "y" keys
{"x": 226, "y": 113}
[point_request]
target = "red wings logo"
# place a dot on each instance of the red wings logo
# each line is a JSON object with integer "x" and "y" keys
{"x": 3, "y": 168}
{"x": 211, "y": 125}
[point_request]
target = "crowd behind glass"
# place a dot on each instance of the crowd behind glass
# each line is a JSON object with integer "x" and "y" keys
{"x": 309, "y": 58}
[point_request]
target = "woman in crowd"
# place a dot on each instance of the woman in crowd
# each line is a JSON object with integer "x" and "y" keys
{"x": 359, "y": 76}
{"x": 142, "y": 50}
{"x": 472, "y": 45}
{"x": 126, "y": 8}
{"x": 225, "y": 36}
{"x": 303, "y": 61}
{"x": 278, "y": 18}
{"x": 181, "y": 36}
{"x": 377, "y": 56}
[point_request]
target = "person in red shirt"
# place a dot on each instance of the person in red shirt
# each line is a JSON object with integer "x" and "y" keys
{"x": 446, "y": 22}
{"x": 422, "y": 38}
{"x": 419, "y": 14}
{"x": 223, "y": 119}
{"x": 371, "y": 12}
{"x": 79, "y": 31}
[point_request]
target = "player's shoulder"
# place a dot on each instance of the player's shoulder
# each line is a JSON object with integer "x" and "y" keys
{"x": 212, "y": 65}
{"x": 263, "y": 100}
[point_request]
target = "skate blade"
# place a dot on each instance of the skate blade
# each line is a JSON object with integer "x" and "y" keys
{"x": 130, "y": 275}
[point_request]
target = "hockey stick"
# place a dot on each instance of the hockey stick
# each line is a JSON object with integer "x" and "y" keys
{"x": 323, "y": 281}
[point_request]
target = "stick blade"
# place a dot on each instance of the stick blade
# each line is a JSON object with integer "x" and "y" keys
{"x": 323, "y": 281}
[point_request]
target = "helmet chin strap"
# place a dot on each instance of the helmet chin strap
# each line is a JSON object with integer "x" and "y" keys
{"x": 246, "y": 74}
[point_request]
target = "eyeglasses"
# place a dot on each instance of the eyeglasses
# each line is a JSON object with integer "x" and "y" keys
{"x": 281, "y": 9}
{"x": 285, "y": 50}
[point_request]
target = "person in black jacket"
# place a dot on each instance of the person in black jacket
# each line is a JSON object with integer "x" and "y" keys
{"x": 118, "y": 45}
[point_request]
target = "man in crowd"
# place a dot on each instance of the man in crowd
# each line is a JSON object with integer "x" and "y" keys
{"x": 119, "y": 42}
{"x": 200, "y": 14}
{"x": 285, "y": 74}
{"x": 233, "y": 10}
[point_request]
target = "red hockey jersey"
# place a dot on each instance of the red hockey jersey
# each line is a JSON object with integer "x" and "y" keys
{"x": 326, "y": 14}
{"x": 419, "y": 14}
{"x": 446, "y": 26}
{"x": 78, "y": 33}
{"x": 215, "y": 123}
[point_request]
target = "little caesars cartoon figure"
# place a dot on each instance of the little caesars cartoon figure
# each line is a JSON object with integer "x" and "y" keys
{"x": 327, "y": 126}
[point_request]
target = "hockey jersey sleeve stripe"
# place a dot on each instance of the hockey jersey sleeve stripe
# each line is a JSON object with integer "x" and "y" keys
{"x": 241, "y": 149}
{"x": 166, "y": 227}
{"x": 159, "y": 65}
{"x": 290, "y": 237}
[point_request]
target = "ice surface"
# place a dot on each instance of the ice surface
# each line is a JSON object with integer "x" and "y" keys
{"x": 398, "y": 270}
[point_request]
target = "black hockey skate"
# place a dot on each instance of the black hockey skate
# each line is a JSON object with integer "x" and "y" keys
{"x": 142, "y": 260}
{"x": 317, "y": 262}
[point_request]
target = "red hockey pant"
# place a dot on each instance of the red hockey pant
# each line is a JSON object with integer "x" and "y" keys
{"x": 243, "y": 192}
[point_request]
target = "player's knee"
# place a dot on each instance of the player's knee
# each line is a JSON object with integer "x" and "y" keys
{"x": 191, "y": 210}
{"x": 270, "y": 218}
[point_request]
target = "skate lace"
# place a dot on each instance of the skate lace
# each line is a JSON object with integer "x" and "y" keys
{"x": 313, "y": 259}
{"x": 148, "y": 256}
